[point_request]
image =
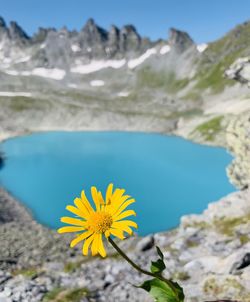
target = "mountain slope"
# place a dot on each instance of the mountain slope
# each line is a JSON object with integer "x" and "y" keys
{"x": 115, "y": 79}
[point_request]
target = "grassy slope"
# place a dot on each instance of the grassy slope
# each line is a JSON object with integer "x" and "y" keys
{"x": 219, "y": 56}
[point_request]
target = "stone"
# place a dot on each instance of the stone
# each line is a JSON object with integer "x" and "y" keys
{"x": 145, "y": 244}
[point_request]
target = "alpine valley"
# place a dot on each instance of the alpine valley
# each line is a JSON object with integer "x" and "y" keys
{"x": 94, "y": 79}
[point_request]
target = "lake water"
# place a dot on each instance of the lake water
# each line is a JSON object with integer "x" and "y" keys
{"x": 168, "y": 176}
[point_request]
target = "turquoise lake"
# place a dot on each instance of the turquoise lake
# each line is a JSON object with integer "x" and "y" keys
{"x": 168, "y": 176}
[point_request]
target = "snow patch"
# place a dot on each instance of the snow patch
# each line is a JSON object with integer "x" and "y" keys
{"x": 71, "y": 85}
{"x": 11, "y": 94}
{"x": 135, "y": 62}
{"x": 24, "y": 59}
{"x": 75, "y": 48}
{"x": 55, "y": 74}
{"x": 7, "y": 60}
{"x": 98, "y": 65}
{"x": 12, "y": 72}
{"x": 97, "y": 83}
{"x": 201, "y": 47}
{"x": 123, "y": 94}
{"x": 43, "y": 46}
{"x": 165, "y": 49}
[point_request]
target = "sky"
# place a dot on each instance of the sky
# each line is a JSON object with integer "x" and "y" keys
{"x": 204, "y": 20}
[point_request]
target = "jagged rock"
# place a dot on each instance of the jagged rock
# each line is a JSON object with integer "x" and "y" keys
{"x": 113, "y": 41}
{"x": 57, "y": 50}
{"x": 129, "y": 39}
{"x": 2, "y": 22}
{"x": 42, "y": 34}
{"x": 239, "y": 71}
{"x": 180, "y": 40}
{"x": 245, "y": 261}
{"x": 145, "y": 244}
{"x": 17, "y": 34}
{"x": 238, "y": 138}
{"x": 92, "y": 40}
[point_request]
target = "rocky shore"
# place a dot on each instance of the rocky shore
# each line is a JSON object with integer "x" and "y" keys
{"x": 209, "y": 254}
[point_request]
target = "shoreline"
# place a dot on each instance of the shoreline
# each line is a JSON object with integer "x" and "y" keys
{"x": 33, "y": 254}
{"x": 205, "y": 250}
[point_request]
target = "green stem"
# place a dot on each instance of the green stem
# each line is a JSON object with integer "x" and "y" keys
{"x": 137, "y": 267}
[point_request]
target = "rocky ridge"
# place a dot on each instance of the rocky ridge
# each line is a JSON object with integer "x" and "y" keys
{"x": 91, "y": 42}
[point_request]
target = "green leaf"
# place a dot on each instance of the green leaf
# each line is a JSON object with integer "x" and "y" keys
{"x": 157, "y": 266}
{"x": 162, "y": 291}
{"x": 159, "y": 252}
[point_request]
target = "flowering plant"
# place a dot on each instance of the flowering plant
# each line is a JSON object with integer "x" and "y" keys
{"x": 107, "y": 220}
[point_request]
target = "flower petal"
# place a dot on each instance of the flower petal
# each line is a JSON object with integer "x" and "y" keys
{"x": 117, "y": 195}
{"x": 130, "y": 223}
{"x": 94, "y": 246}
{"x": 123, "y": 206}
{"x": 101, "y": 199}
{"x": 82, "y": 206}
{"x": 86, "y": 202}
{"x": 73, "y": 221}
{"x": 70, "y": 229}
{"x": 109, "y": 193}
{"x": 95, "y": 198}
{"x": 80, "y": 238}
{"x": 107, "y": 233}
{"x": 101, "y": 248}
{"x": 119, "y": 225}
{"x": 124, "y": 215}
{"x": 76, "y": 211}
{"x": 86, "y": 245}
{"x": 117, "y": 233}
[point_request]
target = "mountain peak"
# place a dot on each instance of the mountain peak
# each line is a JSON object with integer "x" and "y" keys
{"x": 180, "y": 40}
{"x": 17, "y": 33}
{"x": 2, "y": 22}
{"x": 90, "y": 22}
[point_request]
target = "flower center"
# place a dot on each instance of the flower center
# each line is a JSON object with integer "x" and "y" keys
{"x": 100, "y": 222}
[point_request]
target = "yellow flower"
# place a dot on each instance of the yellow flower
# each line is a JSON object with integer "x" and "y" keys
{"x": 106, "y": 219}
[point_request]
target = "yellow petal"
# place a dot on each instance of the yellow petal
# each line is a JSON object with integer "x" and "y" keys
{"x": 86, "y": 244}
{"x": 73, "y": 221}
{"x": 82, "y": 206}
{"x": 124, "y": 215}
{"x": 109, "y": 193}
{"x": 80, "y": 238}
{"x": 117, "y": 233}
{"x": 122, "y": 227}
{"x": 76, "y": 211}
{"x": 129, "y": 223}
{"x": 124, "y": 206}
{"x": 117, "y": 195}
{"x": 95, "y": 197}
{"x": 107, "y": 234}
{"x": 101, "y": 248}
{"x": 100, "y": 197}
{"x": 70, "y": 229}
{"x": 115, "y": 204}
{"x": 94, "y": 247}
{"x": 86, "y": 202}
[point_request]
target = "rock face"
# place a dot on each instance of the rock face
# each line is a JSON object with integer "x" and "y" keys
{"x": 180, "y": 40}
{"x": 240, "y": 71}
{"x": 17, "y": 34}
{"x": 208, "y": 254}
{"x": 238, "y": 140}
{"x": 51, "y": 48}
